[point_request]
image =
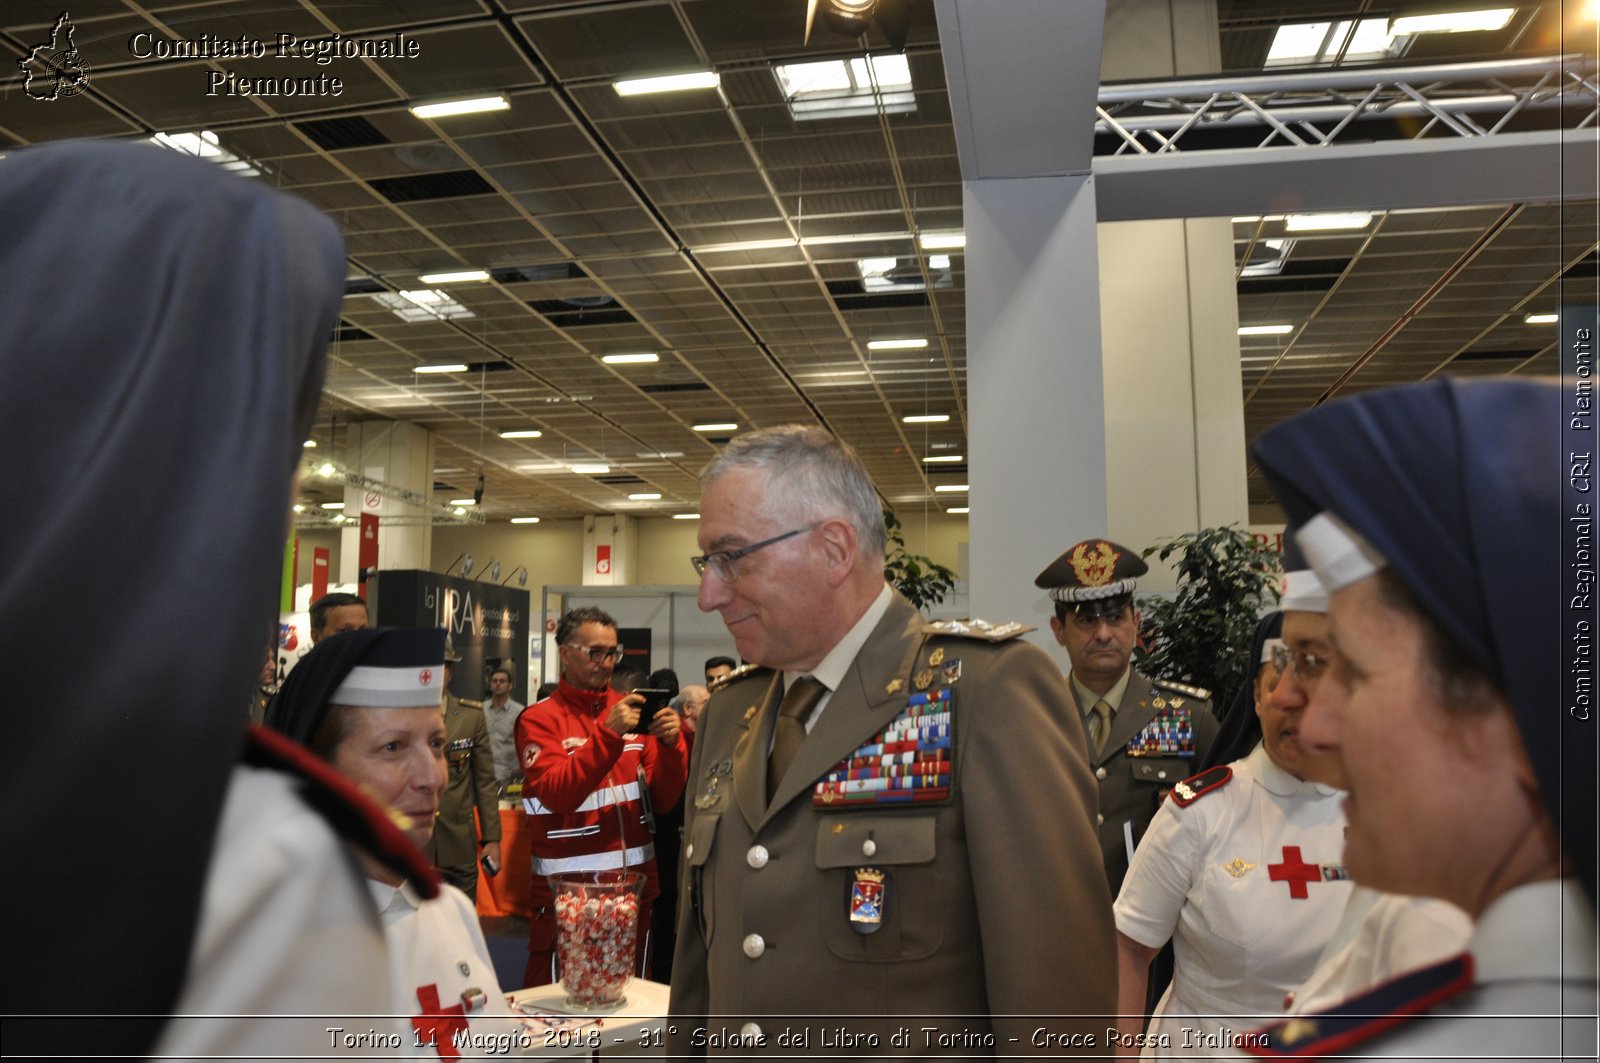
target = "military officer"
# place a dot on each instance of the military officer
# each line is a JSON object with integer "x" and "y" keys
{"x": 471, "y": 786}
{"x": 886, "y": 817}
{"x": 1144, "y": 735}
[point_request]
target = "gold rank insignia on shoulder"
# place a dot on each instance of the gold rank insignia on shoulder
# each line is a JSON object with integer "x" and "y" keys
{"x": 894, "y": 686}
{"x": 1238, "y": 867}
{"x": 749, "y": 713}
{"x": 738, "y": 673}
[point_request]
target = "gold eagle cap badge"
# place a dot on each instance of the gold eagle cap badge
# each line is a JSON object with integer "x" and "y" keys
{"x": 1094, "y": 569}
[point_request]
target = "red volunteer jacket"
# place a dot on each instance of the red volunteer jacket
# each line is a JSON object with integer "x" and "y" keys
{"x": 579, "y": 774}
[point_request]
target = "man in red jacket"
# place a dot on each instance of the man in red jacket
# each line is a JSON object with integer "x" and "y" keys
{"x": 592, "y": 782}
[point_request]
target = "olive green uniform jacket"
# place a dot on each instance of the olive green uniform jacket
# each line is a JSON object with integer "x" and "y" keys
{"x": 1131, "y": 786}
{"x": 471, "y": 784}
{"x": 994, "y": 901}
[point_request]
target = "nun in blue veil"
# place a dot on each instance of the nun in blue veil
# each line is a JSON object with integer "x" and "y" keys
{"x": 1434, "y": 515}
{"x": 163, "y": 325}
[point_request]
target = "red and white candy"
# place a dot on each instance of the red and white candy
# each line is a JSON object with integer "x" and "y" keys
{"x": 596, "y": 934}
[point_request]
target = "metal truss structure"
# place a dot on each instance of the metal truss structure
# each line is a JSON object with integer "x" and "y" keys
{"x": 1309, "y": 110}
{"x": 431, "y": 511}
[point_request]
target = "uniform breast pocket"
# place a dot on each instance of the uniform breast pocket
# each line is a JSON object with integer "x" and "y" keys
{"x": 879, "y": 901}
{"x": 458, "y": 755}
{"x": 1161, "y": 773}
{"x": 696, "y": 852}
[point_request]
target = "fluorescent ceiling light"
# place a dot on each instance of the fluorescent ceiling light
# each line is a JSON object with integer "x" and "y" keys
{"x": 333, "y": 505}
{"x": 522, "y": 433}
{"x": 851, "y": 238}
{"x": 959, "y": 509}
{"x": 524, "y": 520}
{"x": 1494, "y": 18}
{"x": 941, "y": 241}
{"x": 1265, "y": 330}
{"x": 591, "y": 468}
{"x": 686, "y": 516}
{"x": 746, "y": 245}
{"x": 645, "y": 496}
{"x": 458, "y": 277}
{"x": 896, "y": 345}
{"x": 452, "y": 367}
{"x": 541, "y": 466}
{"x": 472, "y": 106}
{"x": 1540, "y": 319}
{"x": 938, "y": 261}
{"x": 462, "y": 502}
{"x": 925, "y": 418}
{"x": 1310, "y": 223}
{"x": 943, "y": 459}
{"x": 309, "y": 444}
{"x": 700, "y": 79}
{"x": 643, "y": 358}
{"x": 950, "y": 488}
{"x": 716, "y": 427}
{"x": 659, "y": 454}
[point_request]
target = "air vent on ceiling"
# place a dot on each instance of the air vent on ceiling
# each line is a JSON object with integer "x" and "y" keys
{"x": 1297, "y": 275}
{"x": 362, "y": 286}
{"x": 562, "y": 314}
{"x": 849, "y": 295}
{"x": 337, "y": 134}
{"x": 440, "y": 485}
{"x": 347, "y": 333}
{"x": 555, "y": 271}
{"x": 452, "y": 185}
{"x": 717, "y": 441}
{"x": 619, "y": 479}
{"x": 670, "y": 389}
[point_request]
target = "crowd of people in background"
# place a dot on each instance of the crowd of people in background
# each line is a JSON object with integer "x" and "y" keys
{"x": 874, "y": 816}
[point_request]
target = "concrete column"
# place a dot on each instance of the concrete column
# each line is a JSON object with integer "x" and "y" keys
{"x": 395, "y": 453}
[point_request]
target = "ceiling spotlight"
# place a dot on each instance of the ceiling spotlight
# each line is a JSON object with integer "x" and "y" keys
{"x": 326, "y": 469}
{"x": 298, "y": 508}
{"x": 852, "y": 18}
{"x": 309, "y": 444}
{"x": 522, "y": 579}
{"x": 460, "y": 511}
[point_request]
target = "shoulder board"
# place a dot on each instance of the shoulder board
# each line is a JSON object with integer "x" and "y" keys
{"x": 1183, "y": 688}
{"x": 352, "y": 814}
{"x": 738, "y": 673}
{"x": 1195, "y": 787}
{"x": 979, "y": 629}
{"x": 469, "y": 703}
{"x": 1364, "y": 1016}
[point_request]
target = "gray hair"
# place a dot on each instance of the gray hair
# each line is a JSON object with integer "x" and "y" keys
{"x": 812, "y": 474}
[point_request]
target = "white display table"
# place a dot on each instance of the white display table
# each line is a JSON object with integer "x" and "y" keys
{"x": 636, "y": 1028}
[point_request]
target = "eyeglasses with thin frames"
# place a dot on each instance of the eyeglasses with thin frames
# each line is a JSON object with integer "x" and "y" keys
{"x": 721, "y": 561}
{"x": 1308, "y": 667}
{"x": 598, "y": 654}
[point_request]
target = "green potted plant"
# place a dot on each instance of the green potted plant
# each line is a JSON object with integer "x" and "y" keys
{"x": 922, "y": 580}
{"x": 1226, "y": 579}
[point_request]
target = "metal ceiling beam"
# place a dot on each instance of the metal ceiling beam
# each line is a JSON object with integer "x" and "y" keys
{"x": 1508, "y": 167}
